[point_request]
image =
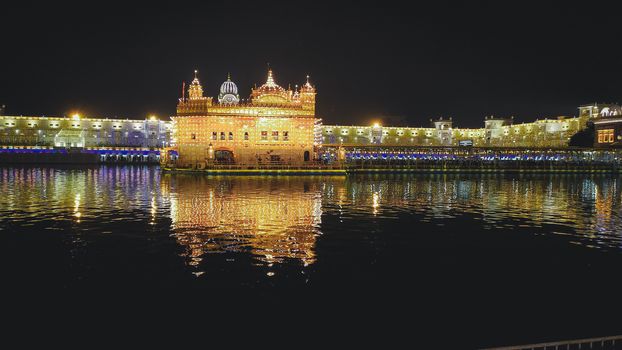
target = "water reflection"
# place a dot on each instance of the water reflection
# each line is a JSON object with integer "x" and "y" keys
{"x": 77, "y": 194}
{"x": 584, "y": 207}
{"x": 273, "y": 218}
{"x": 281, "y": 220}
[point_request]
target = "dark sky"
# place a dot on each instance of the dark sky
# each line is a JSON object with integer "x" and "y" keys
{"x": 400, "y": 64}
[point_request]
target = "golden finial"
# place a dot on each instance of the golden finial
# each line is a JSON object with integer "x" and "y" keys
{"x": 196, "y": 71}
{"x": 270, "y": 82}
{"x": 228, "y": 75}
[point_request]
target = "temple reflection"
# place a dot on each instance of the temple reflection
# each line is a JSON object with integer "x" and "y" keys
{"x": 273, "y": 218}
{"x": 280, "y": 218}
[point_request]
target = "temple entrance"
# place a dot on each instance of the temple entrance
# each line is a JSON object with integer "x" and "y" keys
{"x": 224, "y": 156}
{"x": 307, "y": 156}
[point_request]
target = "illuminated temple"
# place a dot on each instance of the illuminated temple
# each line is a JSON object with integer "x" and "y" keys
{"x": 279, "y": 126}
{"x": 276, "y": 126}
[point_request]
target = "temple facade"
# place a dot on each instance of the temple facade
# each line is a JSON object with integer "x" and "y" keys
{"x": 276, "y": 126}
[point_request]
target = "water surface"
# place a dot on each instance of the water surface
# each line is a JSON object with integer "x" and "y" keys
{"x": 540, "y": 251}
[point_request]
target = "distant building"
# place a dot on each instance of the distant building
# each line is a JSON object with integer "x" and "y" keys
{"x": 83, "y": 132}
{"x": 607, "y": 124}
{"x": 2, "y": 109}
{"x": 497, "y": 132}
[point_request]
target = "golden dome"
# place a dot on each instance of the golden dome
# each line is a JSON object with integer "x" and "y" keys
{"x": 271, "y": 92}
{"x": 270, "y": 86}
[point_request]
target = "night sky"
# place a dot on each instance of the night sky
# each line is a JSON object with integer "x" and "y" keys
{"x": 402, "y": 65}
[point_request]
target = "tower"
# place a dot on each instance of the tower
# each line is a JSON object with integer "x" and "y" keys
{"x": 443, "y": 130}
{"x": 307, "y": 95}
{"x": 196, "y": 103}
{"x": 195, "y": 91}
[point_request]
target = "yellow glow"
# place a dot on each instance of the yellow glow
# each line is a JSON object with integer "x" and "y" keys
{"x": 376, "y": 125}
{"x": 153, "y": 117}
{"x": 275, "y": 225}
{"x": 75, "y": 116}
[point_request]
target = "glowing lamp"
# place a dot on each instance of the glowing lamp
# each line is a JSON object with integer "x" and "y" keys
{"x": 76, "y": 116}
{"x": 153, "y": 117}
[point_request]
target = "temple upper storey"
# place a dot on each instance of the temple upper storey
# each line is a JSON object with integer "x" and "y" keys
{"x": 270, "y": 99}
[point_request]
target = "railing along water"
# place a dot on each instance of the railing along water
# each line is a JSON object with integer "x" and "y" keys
{"x": 611, "y": 342}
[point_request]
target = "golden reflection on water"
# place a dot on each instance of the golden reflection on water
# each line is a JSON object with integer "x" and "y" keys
{"x": 589, "y": 205}
{"x": 279, "y": 218}
{"x": 275, "y": 218}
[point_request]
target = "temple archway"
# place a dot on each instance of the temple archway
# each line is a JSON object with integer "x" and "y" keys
{"x": 224, "y": 156}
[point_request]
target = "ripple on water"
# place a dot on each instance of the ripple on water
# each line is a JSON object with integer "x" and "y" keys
{"x": 277, "y": 219}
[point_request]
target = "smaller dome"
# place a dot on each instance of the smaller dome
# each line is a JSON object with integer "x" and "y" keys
{"x": 229, "y": 92}
{"x": 228, "y": 87}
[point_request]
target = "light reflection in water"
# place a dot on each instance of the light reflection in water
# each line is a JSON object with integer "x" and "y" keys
{"x": 279, "y": 220}
{"x": 574, "y": 204}
{"x": 273, "y": 218}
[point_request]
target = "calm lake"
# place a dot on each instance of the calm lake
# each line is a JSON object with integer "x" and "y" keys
{"x": 511, "y": 258}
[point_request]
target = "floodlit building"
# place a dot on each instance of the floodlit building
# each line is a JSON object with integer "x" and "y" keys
{"x": 497, "y": 132}
{"x": 79, "y": 132}
{"x": 276, "y": 126}
{"x": 607, "y": 124}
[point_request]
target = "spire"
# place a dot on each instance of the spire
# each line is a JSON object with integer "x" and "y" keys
{"x": 307, "y": 95}
{"x": 270, "y": 82}
{"x": 195, "y": 91}
{"x": 296, "y": 95}
{"x": 195, "y": 81}
{"x": 228, "y": 76}
{"x": 307, "y": 87}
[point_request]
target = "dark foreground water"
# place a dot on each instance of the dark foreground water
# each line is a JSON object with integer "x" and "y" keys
{"x": 474, "y": 260}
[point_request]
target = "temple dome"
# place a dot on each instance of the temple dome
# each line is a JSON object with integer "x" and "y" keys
{"x": 228, "y": 92}
{"x": 270, "y": 86}
{"x": 229, "y": 87}
{"x": 270, "y": 92}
